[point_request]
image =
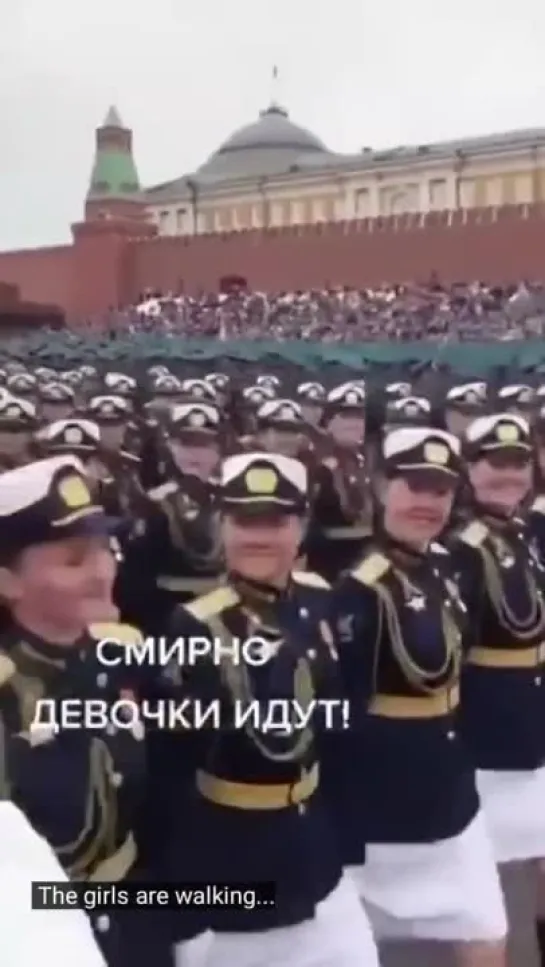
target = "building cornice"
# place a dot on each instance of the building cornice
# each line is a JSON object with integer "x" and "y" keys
{"x": 377, "y": 164}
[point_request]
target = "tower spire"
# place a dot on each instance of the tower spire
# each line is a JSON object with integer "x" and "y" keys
{"x": 114, "y": 187}
{"x": 274, "y": 86}
{"x": 113, "y": 119}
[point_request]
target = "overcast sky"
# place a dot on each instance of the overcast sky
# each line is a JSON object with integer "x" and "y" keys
{"x": 185, "y": 73}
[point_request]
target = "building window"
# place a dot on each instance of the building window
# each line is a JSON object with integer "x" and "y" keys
{"x": 387, "y": 200}
{"x": 296, "y": 212}
{"x": 244, "y": 216}
{"x": 317, "y": 210}
{"x": 363, "y": 203}
{"x": 438, "y": 194}
{"x": 541, "y": 185}
{"x": 164, "y": 219}
{"x": 481, "y": 193}
{"x": 467, "y": 193}
{"x": 180, "y": 221}
{"x": 208, "y": 221}
{"x": 323, "y": 209}
{"x": 411, "y": 198}
{"x": 225, "y": 219}
{"x": 329, "y": 208}
{"x": 276, "y": 213}
{"x": 307, "y": 211}
{"x": 398, "y": 202}
{"x": 494, "y": 191}
{"x": 286, "y": 210}
{"x": 523, "y": 188}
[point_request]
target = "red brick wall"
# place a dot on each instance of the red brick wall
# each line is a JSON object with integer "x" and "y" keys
{"x": 9, "y": 296}
{"x": 42, "y": 275}
{"x": 493, "y": 244}
{"x": 110, "y": 266}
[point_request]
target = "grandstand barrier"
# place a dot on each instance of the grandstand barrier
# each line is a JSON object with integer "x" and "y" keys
{"x": 138, "y": 348}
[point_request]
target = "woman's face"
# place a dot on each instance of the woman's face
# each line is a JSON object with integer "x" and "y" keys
{"x": 61, "y": 584}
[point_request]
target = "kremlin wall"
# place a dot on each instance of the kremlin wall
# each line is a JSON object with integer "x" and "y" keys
{"x": 298, "y": 217}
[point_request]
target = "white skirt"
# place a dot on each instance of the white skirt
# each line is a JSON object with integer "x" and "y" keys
{"x": 193, "y": 953}
{"x": 514, "y": 807}
{"x": 339, "y": 935}
{"x": 447, "y": 890}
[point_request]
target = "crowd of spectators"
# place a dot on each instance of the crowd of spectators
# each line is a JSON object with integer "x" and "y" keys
{"x": 460, "y": 312}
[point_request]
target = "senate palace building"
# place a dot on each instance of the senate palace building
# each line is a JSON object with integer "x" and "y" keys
{"x": 273, "y": 172}
{"x": 276, "y": 207}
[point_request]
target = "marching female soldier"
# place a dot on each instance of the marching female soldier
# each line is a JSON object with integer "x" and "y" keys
{"x": 429, "y": 868}
{"x": 503, "y": 690}
{"x": 253, "y": 792}
{"x": 80, "y": 788}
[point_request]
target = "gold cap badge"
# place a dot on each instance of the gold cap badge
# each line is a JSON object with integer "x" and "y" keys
{"x": 197, "y": 418}
{"x": 436, "y": 453}
{"x": 74, "y": 492}
{"x": 73, "y": 435}
{"x": 261, "y": 481}
{"x": 508, "y": 433}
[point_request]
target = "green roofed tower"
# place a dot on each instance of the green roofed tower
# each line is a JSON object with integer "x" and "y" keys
{"x": 114, "y": 189}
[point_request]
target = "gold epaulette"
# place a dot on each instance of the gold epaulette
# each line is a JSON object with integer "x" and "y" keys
{"x": 538, "y": 506}
{"x": 474, "y": 534}
{"x": 157, "y": 494}
{"x": 114, "y": 631}
{"x": 7, "y": 669}
{"x": 211, "y": 604}
{"x": 310, "y": 580}
{"x": 371, "y": 569}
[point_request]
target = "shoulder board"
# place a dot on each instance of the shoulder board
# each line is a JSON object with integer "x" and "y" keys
{"x": 437, "y": 548}
{"x": 165, "y": 490}
{"x": 213, "y": 603}
{"x": 310, "y": 580}
{"x": 371, "y": 569}
{"x": 538, "y": 505}
{"x": 474, "y": 534}
{"x": 120, "y": 633}
{"x": 7, "y": 669}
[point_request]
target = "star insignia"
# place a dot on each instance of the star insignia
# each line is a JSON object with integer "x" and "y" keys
{"x": 418, "y": 603}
